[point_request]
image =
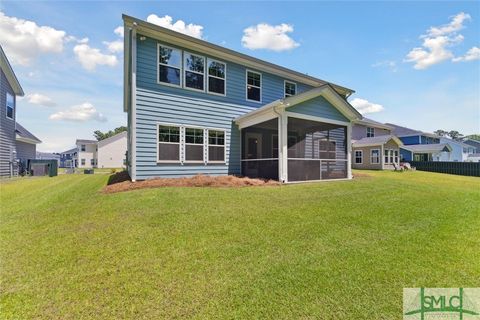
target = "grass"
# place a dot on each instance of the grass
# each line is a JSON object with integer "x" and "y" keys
{"x": 336, "y": 250}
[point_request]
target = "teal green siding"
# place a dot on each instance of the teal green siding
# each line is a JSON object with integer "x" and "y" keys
{"x": 318, "y": 107}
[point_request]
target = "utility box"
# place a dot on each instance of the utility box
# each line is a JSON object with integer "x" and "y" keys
{"x": 88, "y": 171}
{"x": 38, "y": 167}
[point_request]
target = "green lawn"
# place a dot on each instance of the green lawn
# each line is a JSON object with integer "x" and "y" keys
{"x": 332, "y": 250}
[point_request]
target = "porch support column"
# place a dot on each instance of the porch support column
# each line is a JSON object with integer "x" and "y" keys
{"x": 382, "y": 157}
{"x": 349, "y": 151}
{"x": 282, "y": 146}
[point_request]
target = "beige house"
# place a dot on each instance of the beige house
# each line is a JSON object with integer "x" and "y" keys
{"x": 111, "y": 151}
{"x": 373, "y": 146}
{"x": 87, "y": 153}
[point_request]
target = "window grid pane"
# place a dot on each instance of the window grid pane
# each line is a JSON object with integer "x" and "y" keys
{"x": 193, "y": 136}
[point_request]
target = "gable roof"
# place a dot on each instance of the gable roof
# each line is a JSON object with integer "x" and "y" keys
{"x": 120, "y": 135}
{"x": 22, "y": 134}
{"x": 85, "y": 141}
{"x": 428, "y": 148}
{"x": 183, "y": 40}
{"x": 325, "y": 90}
{"x": 400, "y": 131}
{"x": 11, "y": 77}
{"x": 376, "y": 141}
{"x": 372, "y": 123}
{"x": 70, "y": 151}
{"x": 460, "y": 143}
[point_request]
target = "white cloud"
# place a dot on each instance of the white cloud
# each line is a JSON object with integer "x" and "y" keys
{"x": 364, "y": 106}
{"x": 190, "y": 29}
{"x": 80, "y": 113}
{"x": 118, "y": 31}
{"x": 387, "y": 63}
{"x": 24, "y": 40}
{"x": 114, "y": 46}
{"x": 437, "y": 43}
{"x": 472, "y": 54}
{"x": 265, "y": 36}
{"x": 40, "y": 99}
{"x": 91, "y": 57}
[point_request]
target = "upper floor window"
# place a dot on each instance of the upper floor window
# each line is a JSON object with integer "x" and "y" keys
{"x": 254, "y": 86}
{"x": 216, "y": 77}
{"x": 290, "y": 89}
{"x": 10, "y": 106}
{"x": 194, "y": 67}
{"x": 370, "y": 132}
{"x": 169, "y": 65}
{"x": 82, "y": 147}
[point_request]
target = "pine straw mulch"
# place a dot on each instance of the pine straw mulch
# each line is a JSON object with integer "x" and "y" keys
{"x": 120, "y": 182}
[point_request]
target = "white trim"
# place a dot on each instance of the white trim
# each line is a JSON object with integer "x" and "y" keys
{"x": 133, "y": 108}
{"x": 185, "y": 54}
{"x": 349, "y": 151}
{"x": 207, "y": 161}
{"x": 315, "y": 118}
{"x": 366, "y": 128}
{"x": 193, "y": 144}
{"x": 170, "y": 66}
{"x": 371, "y": 156}
{"x": 179, "y": 143}
{"x": 283, "y": 144}
{"x": 284, "y": 87}
{"x": 321, "y": 180}
{"x": 355, "y": 156}
{"x": 224, "y": 79}
{"x": 262, "y": 159}
{"x": 246, "y": 85}
{"x": 7, "y": 106}
{"x": 318, "y": 159}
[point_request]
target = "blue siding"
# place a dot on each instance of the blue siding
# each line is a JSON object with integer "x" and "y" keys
{"x": 153, "y": 107}
{"x": 409, "y": 140}
{"x": 272, "y": 85}
{"x": 405, "y": 155}
{"x": 318, "y": 107}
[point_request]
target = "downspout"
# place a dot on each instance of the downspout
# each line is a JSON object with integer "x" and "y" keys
{"x": 281, "y": 162}
{"x": 133, "y": 100}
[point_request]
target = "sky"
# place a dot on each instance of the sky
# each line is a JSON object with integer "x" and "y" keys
{"x": 415, "y": 64}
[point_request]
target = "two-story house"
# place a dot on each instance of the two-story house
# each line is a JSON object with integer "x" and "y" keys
{"x": 374, "y": 146}
{"x": 419, "y": 145}
{"x": 86, "y": 153}
{"x": 68, "y": 158}
{"x": 198, "y": 108}
{"x": 17, "y": 144}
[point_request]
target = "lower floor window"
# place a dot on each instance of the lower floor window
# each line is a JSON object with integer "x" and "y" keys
{"x": 391, "y": 156}
{"x": 358, "y": 157}
{"x": 83, "y": 162}
{"x": 375, "y": 156}
{"x": 188, "y": 144}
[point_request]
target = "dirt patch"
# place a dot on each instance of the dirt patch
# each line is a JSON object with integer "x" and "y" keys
{"x": 120, "y": 182}
{"x": 361, "y": 175}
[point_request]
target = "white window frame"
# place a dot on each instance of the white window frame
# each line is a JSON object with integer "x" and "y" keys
{"x": 285, "y": 95}
{"x": 82, "y": 162}
{"x": 372, "y": 134}
{"x": 185, "y": 127}
{"x": 180, "y": 140}
{"x": 163, "y": 64}
{"x": 396, "y": 156}
{"x": 208, "y": 75}
{"x": 378, "y": 157}
{"x": 8, "y": 106}
{"x": 216, "y": 145}
{"x": 185, "y": 55}
{"x": 355, "y": 157}
{"x": 83, "y": 148}
{"x": 246, "y": 85}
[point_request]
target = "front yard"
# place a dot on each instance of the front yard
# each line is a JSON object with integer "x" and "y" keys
{"x": 332, "y": 250}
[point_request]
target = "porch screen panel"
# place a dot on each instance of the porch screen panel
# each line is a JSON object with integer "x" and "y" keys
{"x": 260, "y": 150}
{"x": 316, "y": 150}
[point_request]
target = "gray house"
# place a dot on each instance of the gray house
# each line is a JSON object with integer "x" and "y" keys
{"x": 198, "y": 108}
{"x": 17, "y": 144}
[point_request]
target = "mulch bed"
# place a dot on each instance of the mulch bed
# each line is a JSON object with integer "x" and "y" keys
{"x": 120, "y": 182}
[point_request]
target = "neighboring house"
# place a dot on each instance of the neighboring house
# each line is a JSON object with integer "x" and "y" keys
{"x": 48, "y": 156}
{"x": 374, "y": 146}
{"x": 68, "y": 158}
{"x": 198, "y": 108}
{"x": 16, "y": 144}
{"x": 419, "y": 145}
{"x": 473, "y": 143}
{"x": 26, "y": 145}
{"x": 87, "y": 153}
{"x": 112, "y": 151}
{"x": 475, "y": 157}
{"x": 460, "y": 151}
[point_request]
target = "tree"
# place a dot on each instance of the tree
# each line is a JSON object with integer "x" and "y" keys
{"x": 99, "y": 135}
{"x": 440, "y": 132}
{"x": 455, "y": 135}
{"x": 473, "y": 137}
